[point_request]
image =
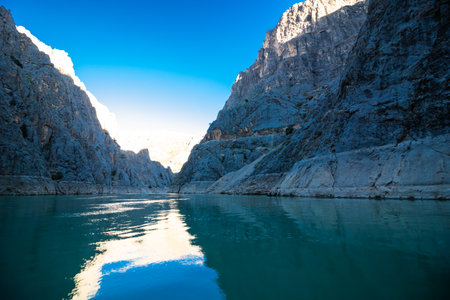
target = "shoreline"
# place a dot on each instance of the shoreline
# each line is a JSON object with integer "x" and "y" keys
{"x": 20, "y": 185}
{"x": 42, "y": 186}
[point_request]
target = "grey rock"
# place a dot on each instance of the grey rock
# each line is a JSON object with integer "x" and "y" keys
{"x": 49, "y": 129}
{"x": 410, "y": 170}
{"x": 301, "y": 59}
{"x": 373, "y": 121}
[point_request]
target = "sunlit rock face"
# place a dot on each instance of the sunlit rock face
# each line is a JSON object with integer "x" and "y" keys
{"x": 307, "y": 49}
{"x": 51, "y": 140}
{"x": 359, "y": 105}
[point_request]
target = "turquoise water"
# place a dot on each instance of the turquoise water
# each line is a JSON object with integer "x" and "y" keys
{"x": 222, "y": 247}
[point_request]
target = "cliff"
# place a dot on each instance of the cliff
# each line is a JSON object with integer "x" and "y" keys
{"x": 51, "y": 141}
{"x": 339, "y": 103}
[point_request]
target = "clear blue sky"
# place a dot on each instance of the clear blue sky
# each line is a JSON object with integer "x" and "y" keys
{"x": 155, "y": 63}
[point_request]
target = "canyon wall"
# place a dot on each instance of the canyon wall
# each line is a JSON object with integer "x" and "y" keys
{"x": 345, "y": 99}
{"x": 51, "y": 141}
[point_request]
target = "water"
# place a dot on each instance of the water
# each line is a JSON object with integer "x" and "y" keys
{"x": 217, "y": 247}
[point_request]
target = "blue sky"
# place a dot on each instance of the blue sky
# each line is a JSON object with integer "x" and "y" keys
{"x": 157, "y": 65}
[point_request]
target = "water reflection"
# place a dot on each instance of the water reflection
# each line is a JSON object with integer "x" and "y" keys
{"x": 139, "y": 260}
{"x": 212, "y": 247}
{"x": 103, "y": 247}
{"x": 291, "y": 248}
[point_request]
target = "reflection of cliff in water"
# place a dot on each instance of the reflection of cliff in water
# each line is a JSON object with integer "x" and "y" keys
{"x": 44, "y": 245}
{"x": 266, "y": 247}
{"x": 382, "y": 224}
{"x": 102, "y": 246}
{"x": 154, "y": 258}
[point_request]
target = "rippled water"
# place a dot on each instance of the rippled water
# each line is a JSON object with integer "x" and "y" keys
{"x": 217, "y": 247}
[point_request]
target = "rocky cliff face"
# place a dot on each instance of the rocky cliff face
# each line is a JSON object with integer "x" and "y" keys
{"x": 300, "y": 59}
{"x": 339, "y": 104}
{"x": 51, "y": 140}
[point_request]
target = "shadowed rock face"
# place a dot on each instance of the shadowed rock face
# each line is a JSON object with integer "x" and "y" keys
{"x": 369, "y": 115}
{"x": 50, "y": 129}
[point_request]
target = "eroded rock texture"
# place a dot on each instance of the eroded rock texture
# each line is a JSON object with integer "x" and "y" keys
{"x": 341, "y": 103}
{"x": 50, "y": 139}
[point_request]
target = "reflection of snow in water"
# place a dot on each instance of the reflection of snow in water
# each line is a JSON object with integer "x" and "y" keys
{"x": 163, "y": 241}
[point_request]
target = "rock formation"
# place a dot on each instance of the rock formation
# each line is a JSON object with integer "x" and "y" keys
{"x": 339, "y": 103}
{"x": 51, "y": 141}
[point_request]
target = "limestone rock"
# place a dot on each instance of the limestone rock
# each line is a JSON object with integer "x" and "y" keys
{"x": 366, "y": 98}
{"x": 301, "y": 59}
{"x": 49, "y": 129}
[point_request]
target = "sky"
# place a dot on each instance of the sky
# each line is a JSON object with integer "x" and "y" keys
{"x": 158, "y": 65}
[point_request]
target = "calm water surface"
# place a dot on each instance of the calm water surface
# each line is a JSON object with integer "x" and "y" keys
{"x": 222, "y": 247}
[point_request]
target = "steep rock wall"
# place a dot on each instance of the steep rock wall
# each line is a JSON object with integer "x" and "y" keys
{"x": 302, "y": 58}
{"x": 50, "y": 138}
{"x": 380, "y": 129}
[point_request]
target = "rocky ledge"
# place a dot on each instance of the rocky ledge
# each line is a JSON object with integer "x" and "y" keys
{"x": 408, "y": 170}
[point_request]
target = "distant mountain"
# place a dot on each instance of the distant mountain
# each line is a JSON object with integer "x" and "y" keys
{"x": 51, "y": 141}
{"x": 171, "y": 149}
{"x": 346, "y": 98}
